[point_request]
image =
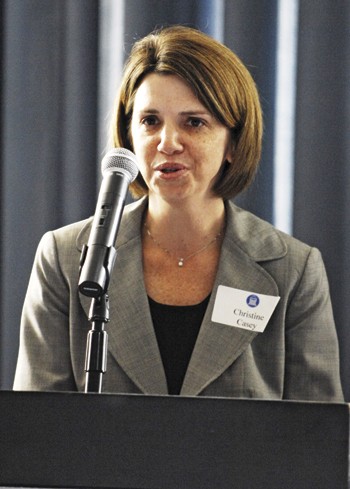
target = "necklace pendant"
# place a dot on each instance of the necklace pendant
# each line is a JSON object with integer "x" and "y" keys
{"x": 181, "y": 262}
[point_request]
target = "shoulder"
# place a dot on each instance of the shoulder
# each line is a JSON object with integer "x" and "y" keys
{"x": 259, "y": 238}
{"x": 60, "y": 249}
{"x": 75, "y": 235}
{"x": 288, "y": 260}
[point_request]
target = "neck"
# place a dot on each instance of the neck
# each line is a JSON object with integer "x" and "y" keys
{"x": 183, "y": 227}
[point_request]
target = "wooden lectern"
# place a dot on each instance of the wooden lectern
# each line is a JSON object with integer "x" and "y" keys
{"x": 72, "y": 440}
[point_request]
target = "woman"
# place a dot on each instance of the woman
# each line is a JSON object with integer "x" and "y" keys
{"x": 192, "y": 267}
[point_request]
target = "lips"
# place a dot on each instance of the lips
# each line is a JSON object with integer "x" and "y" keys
{"x": 170, "y": 171}
{"x": 167, "y": 168}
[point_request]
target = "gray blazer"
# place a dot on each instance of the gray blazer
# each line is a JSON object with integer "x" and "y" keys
{"x": 296, "y": 357}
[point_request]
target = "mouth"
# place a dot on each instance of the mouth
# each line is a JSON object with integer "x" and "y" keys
{"x": 170, "y": 168}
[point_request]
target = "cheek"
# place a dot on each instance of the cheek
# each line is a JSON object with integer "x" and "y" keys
{"x": 211, "y": 149}
{"x": 135, "y": 136}
{"x": 142, "y": 153}
{"x": 144, "y": 146}
{"x": 143, "y": 156}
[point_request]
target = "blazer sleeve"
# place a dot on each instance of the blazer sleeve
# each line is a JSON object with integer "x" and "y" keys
{"x": 44, "y": 353}
{"x": 311, "y": 343}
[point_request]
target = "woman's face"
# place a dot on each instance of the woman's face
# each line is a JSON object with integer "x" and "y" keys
{"x": 180, "y": 146}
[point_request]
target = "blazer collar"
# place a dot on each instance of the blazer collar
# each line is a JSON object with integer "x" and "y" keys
{"x": 255, "y": 237}
{"x": 248, "y": 241}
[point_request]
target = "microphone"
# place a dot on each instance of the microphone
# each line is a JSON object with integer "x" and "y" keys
{"x": 119, "y": 169}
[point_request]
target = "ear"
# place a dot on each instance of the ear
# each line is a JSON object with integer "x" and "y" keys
{"x": 229, "y": 152}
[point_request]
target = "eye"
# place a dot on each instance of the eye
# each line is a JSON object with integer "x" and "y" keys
{"x": 149, "y": 120}
{"x": 195, "y": 122}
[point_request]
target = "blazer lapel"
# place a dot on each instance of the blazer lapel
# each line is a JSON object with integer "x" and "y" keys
{"x": 219, "y": 345}
{"x": 132, "y": 341}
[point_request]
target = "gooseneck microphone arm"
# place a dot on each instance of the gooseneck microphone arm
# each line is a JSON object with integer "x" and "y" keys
{"x": 98, "y": 257}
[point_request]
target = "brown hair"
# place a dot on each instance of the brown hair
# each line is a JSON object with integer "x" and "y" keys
{"x": 220, "y": 81}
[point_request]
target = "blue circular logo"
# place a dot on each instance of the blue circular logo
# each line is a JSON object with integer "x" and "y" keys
{"x": 253, "y": 300}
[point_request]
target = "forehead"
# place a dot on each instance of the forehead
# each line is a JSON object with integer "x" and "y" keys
{"x": 165, "y": 89}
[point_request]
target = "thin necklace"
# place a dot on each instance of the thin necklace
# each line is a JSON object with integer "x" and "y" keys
{"x": 181, "y": 261}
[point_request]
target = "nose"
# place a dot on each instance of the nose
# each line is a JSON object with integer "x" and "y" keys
{"x": 170, "y": 140}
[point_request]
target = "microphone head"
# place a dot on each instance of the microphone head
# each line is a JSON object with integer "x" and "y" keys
{"x": 120, "y": 159}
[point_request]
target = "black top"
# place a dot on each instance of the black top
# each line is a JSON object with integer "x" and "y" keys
{"x": 176, "y": 329}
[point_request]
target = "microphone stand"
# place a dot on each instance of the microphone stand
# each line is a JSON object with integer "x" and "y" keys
{"x": 119, "y": 169}
{"x": 96, "y": 346}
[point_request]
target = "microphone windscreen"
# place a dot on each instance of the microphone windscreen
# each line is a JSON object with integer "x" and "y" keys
{"x": 120, "y": 159}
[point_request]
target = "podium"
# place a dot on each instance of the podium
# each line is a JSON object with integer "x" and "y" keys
{"x": 74, "y": 440}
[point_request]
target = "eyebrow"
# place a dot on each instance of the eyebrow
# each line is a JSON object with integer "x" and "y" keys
{"x": 185, "y": 112}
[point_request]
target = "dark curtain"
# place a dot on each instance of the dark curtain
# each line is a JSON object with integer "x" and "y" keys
{"x": 258, "y": 52}
{"x": 49, "y": 126}
{"x": 48, "y": 135}
{"x": 322, "y": 150}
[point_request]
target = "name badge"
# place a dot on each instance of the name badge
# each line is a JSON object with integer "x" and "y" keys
{"x": 243, "y": 309}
